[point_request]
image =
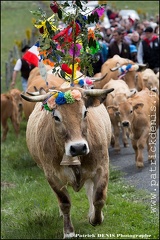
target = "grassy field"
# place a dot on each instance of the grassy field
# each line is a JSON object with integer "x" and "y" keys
{"x": 29, "y": 208}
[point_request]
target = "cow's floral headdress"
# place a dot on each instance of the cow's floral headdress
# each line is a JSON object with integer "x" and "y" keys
{"x": 60, "y": 98}
{"x": 75, "y": 43}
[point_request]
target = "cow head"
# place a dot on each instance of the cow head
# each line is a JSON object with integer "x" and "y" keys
{"x": 125, "y": 111}
{"x": 69, "y": 109}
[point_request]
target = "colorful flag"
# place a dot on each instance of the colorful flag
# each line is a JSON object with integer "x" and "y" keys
{"x": 32, "y": 55}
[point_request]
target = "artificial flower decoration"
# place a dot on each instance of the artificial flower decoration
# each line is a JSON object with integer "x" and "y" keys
{"x": 76, "y": 51}
{"x": 93, "y": 49}
{"x": 67, "y": 33}
{"x": 54, "y": 7}
{"x": 99, "y": 11}
{"x": 66, "y": 68}
{"x": 42, "y": 27}
{"x": 91, "y": 34}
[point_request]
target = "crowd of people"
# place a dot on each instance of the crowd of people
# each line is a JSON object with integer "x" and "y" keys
{"x": 137, "y": 40}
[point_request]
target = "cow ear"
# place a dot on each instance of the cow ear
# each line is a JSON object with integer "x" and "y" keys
{"x": 92, "y": 101}
{"x": 138, "y": 105}
{"x": 112, "y": 109}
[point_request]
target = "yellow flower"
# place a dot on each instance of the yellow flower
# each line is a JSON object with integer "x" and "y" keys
{"x": 42, "y": 25}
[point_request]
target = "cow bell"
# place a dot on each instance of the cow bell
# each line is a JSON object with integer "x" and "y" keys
{"x": 69, "y": 160}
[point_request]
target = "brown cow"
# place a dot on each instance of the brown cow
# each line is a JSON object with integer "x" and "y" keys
{"x": 140, "y": 114}
{"x": 71, "y": 144}
{"x": 112, "y": 67}
{"x": 120, "y": 94}
{"x": 9, "y": 109}
{"x": 150, "y": 80}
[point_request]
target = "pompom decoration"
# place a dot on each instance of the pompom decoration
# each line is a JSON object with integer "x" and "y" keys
{"x": 126, "y": 68}
{"x": 60, "y": 99}
{"x": 88, "y": 81}
{"x": 76, "y": 94}
{"x": 68, "y": 97}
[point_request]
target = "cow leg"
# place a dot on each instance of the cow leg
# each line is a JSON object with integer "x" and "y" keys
{"x": 89, "y": 192}
{"x": 99, "y": 197}
{"x": 65, "y": 206}
{"x": 124, "y": 137}
{"x": 15, "y": 125}
{"x": 5, "y": 130}
{"x": 116, "y": 136}
{"x": 140, "y": 144}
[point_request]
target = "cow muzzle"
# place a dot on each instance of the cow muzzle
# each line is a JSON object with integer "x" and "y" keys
{"x": 125, "y": 124}
{"x": 77, "y": 148}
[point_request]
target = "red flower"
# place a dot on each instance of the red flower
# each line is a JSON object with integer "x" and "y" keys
{"x": 54, "y": 7}
{"x": 41, "y": 30}
{"x": 66, "y": 68}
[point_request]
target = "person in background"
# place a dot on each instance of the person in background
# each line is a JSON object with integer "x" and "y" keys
{"x": 118, "y": 45}
{"x": 140, "y": 29}
{"x": 135, "y": 38}
{"x": 148, "y": 50}
{"x": 24, "y": 67}
{"x": 133, "y": 51}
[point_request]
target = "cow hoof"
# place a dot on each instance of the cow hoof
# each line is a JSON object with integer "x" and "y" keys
{"x": 69, "y": 235}
{"x": 96, "y": 221}
{"x": 126, "y": 145}
{"x": 139, "y": 165}
{"x": 117, "y": 150}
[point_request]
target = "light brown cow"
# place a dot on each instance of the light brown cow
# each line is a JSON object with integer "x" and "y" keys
{"x": 71, "y": 144}
{"x": 9, "y": 109}
{"x": 120, "y": 94}
{"x": 140, "y": 114}
{"x": 112, "y": 67}
{"x": 150, "y": 80}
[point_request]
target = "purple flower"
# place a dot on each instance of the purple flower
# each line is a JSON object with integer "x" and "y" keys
{"x": 100, "y": 11}
{"x": 77, "y": 50}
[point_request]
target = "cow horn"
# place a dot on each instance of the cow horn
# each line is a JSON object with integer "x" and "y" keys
{"x": 97, "y": 92}
{"x": 142, "y": 64}
{"x": 99, "y": 79}
{"x": 37, "y": 93}
{"x": 33, "y": 93}
{"x": 39, "y": 98}
{"x": 115, "y": 68}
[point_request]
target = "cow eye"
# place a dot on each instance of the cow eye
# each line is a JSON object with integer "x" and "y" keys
{"x": 117, "y": 113}
{"x": 131, "y": 111}
{"x": 56, "y": 118}
{"x": 85, "y": 113}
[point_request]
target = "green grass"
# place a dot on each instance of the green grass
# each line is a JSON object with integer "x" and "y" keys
{"x": 29, "y": 207}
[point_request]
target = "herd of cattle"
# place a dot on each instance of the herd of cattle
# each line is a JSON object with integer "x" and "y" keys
{"x": 71, "y": 143}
